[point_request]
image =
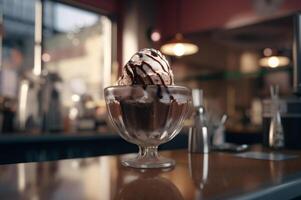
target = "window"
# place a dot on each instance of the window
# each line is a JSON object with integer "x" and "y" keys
{"x": 56, "y": 61}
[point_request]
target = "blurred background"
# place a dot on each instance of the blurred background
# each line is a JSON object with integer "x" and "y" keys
{"x": 56, "y": 57}
{"x": 56, "y": 61}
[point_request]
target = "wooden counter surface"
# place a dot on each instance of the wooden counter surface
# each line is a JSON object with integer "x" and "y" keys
{"x": 195, "y": 176}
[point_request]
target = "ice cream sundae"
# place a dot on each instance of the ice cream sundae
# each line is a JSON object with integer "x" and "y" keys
{"x": 146, "y": 107}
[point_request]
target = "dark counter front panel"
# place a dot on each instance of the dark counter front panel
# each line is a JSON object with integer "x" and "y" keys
{"x": 17, "y": 148}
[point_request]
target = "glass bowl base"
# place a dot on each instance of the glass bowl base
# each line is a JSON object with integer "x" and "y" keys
{"x": 147, "y": 163}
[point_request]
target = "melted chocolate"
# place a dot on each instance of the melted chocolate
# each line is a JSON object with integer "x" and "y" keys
{"x": 148, "y": 116}
{"x": 159, "y": 92}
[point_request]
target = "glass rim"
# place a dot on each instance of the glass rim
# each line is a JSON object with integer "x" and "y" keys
{"x": 141, "y": 86}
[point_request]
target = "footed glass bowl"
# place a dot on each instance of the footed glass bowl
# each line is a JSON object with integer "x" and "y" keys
{"x": 148, "y": 116}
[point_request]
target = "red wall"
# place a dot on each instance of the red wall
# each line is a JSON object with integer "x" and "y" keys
{"x": 197, "y": 15}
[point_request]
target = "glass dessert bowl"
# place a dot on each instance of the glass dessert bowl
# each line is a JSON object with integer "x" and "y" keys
{"x": 148, "y": 116}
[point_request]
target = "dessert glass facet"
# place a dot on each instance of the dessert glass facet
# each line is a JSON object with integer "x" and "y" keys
{"x": 148, "y": 116}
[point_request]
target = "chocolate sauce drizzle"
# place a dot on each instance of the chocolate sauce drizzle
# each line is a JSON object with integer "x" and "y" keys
{"x": 140, "y": 79}
{"x": 136, "y": 79}
{"x": 161, "y": 57}
{"x": 162, "y": 81}
{"x": 129, "y": 73}
{"x": 170, "y": 77}
{"x": 150, "y": 67}
{"x": 159, "y": 92}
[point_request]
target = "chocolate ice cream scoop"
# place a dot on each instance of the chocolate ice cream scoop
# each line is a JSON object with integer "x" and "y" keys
{"x": 147, "y": 67}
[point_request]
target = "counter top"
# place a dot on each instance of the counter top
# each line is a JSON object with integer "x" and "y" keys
{"x": 195, "y": 176}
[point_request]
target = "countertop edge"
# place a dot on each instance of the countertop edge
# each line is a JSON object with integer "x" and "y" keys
{"x": 287, "y": 190}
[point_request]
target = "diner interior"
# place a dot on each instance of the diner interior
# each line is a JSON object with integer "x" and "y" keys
{"x": 57, "y": 57}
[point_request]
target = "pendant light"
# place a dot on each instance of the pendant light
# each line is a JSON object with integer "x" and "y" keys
{"x": 179, "y": 46}
{"x": 272, "y": 59}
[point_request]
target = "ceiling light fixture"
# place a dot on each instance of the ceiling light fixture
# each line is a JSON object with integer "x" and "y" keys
{"x": 179, "y": 46}
{"x": 272, "y": 58}
{"x": 274, "y": 61}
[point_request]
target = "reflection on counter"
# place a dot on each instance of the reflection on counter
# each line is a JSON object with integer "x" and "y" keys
{"x": 42, "y": 180}
{"x": 147, "y": 184}
{"x": 216, "y": 175}
{"x": 199, "y": 169}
